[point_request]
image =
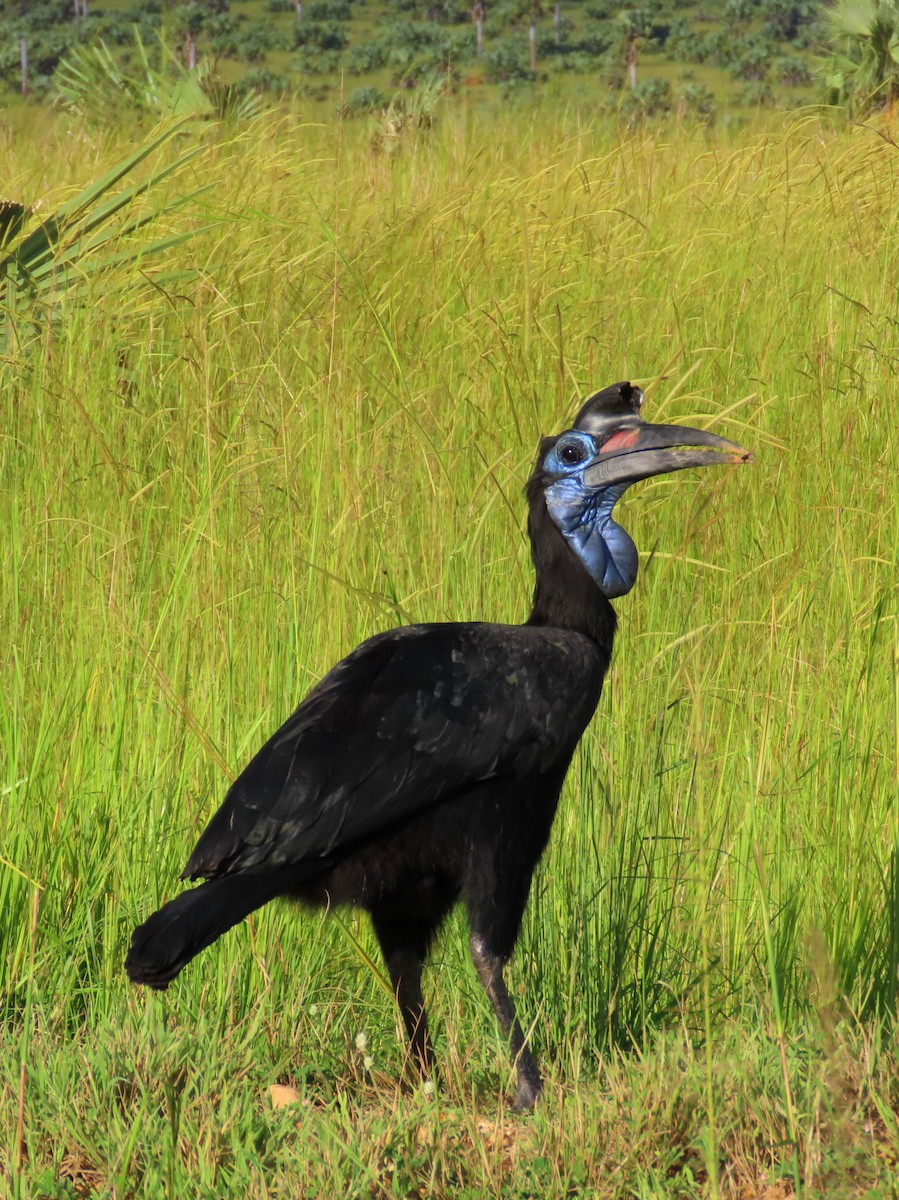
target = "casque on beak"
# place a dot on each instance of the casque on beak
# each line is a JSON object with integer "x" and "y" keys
{"x": 640, "y": 451}
{"x": 630, "y": 449}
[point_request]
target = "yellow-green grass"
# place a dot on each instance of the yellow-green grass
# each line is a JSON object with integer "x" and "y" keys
{"x": 214, "y": 489}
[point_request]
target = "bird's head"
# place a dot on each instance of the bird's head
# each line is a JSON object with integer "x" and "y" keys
{"x": 582, "y": 472}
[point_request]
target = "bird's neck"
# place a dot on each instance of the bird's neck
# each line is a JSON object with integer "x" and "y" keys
{"x": 565, "y": 595}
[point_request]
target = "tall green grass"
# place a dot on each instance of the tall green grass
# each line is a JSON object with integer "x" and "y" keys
{"x": 212, "y": 492}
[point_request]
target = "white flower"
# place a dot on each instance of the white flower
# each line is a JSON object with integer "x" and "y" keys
{"x": 361, "y": 1042}
{"x": 428, "y": 1088}
{"x": 368, "y": 1062}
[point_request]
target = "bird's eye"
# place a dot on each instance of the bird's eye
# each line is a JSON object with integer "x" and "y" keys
{"x": 571, "y": 453}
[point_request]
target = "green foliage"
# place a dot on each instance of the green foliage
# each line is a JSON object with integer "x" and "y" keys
{"x": 94, "y": 83}
{"x": 224, "y": 34}
{"x": 739, "y": 12}
{"x": 328, "y": 36}
{"x": 792, "y": 71}
{"x": 45, "y": 50}
{"x": 865, "y": 66}
{"x": 191, "y": 17}
{"x": 256, "y": 39}
{"x": 684, "y": 44}
{"x": 696, "y": 100}
{"x": 409, "y": 39}
{"x": 50, "y": 259}
{"x": 784, "y": 19}
{"x": 260, "y": 79}
{"x": 594, "y": 39}
{"x": 366, "y": 100}
{"x": 409, "y": 115}
{"x": 366, "y": 57}
{"x": 508, "y": 60}
{"x": 310, "y": 60}
{"x": 757, "y": 94}
{"x": 750, "y": 60}
{"x": 330, "y": 10}
{"x": 602, "y": 10}
{"x": 445, "y": 12}
{"x": 116, "y": 28}
{"x": 650, "y": 98}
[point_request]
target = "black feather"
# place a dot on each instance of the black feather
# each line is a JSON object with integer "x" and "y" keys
{"x": 424, "y": 768}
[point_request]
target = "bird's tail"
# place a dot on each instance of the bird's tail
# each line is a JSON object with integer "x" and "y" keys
{"x": 167, "y": 941}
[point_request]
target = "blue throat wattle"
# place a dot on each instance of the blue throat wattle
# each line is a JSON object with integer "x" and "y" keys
{"x": 584, "y": 517}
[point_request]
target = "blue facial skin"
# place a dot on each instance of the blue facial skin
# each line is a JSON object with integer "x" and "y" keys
{"x": 584, "y": 515}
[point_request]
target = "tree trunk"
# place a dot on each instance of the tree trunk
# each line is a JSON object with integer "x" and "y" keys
{"x": 299, "y": 4}
{"x": 557, "y": 23}
{"x": 191, "y": 50}
{"x": 479, "y": 33}
{"x": 532, "y": 38}
{"x": 24, "y": 51}
{"x": 84, "y": 8}
{"x": 632, "y": 60}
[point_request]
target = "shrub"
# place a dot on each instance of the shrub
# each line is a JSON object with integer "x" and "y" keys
{"x": 784, "y": 18}
{"x": 696, "y": 100}
{"x": 446, "y": 12}
{"x": 190, "y": 18}
{"x": 595, "y": 39}
{"x": 613, "y": 72}
{"x": 738, "y": 12}
{"x": 579, "y": 63}
{"x": 117, "y": 28}
{"x": 369, "y": 56}
{"x": 684, "y": 44}
{"x": 814, "y": 34}
{"x": 792, "y": 71}
{"x": 409, "y": 35}
{"x": 751, "y": 61}
{"x": 650, "y": 98}
{"x": 260, "y": 79}
{"x": 602, "y": 10}
{"x": 309, "y": 60}
{"x": 254, "y": 41}
{"x": 44, "y": 53}
{"x": 509, "y": 59}
{"x": 330, "y": 10}
{"x": 224, "y": 32}
{"x": 757, "y": 94}
{"x": 367, "y": 99}
{"x": 331, "y": 36}
{"x": 37, "y": 17}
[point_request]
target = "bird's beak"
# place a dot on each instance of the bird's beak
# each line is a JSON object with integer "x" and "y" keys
{"x": 644, "y": 450}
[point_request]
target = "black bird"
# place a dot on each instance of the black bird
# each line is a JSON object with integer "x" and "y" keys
{"x": 426, "y": 767}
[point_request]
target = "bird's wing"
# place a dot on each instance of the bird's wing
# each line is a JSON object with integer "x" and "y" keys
{"x": 409, "y": 717}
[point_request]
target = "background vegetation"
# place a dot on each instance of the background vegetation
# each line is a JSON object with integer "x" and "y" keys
{"x": 227, "y": 459}
{"x": 697, "y": 58}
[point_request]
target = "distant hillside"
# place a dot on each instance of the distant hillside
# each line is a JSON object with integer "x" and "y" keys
{"x": 689, "y": 57}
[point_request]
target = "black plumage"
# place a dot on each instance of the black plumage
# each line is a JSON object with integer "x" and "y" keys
{"x": 426, "y": 767}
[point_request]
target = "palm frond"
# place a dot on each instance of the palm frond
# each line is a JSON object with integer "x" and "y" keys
{"x": 43, "y": 261}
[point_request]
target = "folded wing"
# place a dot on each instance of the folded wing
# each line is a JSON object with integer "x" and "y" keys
{"x": 407, "y": 719}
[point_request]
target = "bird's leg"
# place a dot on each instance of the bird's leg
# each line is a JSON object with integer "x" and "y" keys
{"x": 405, "y": 975}
{"x": 489, "y": 967}
{"x": 403, "y": 949}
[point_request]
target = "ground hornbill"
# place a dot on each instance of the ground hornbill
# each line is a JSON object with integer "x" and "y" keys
{"x": 426, "y": 767}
